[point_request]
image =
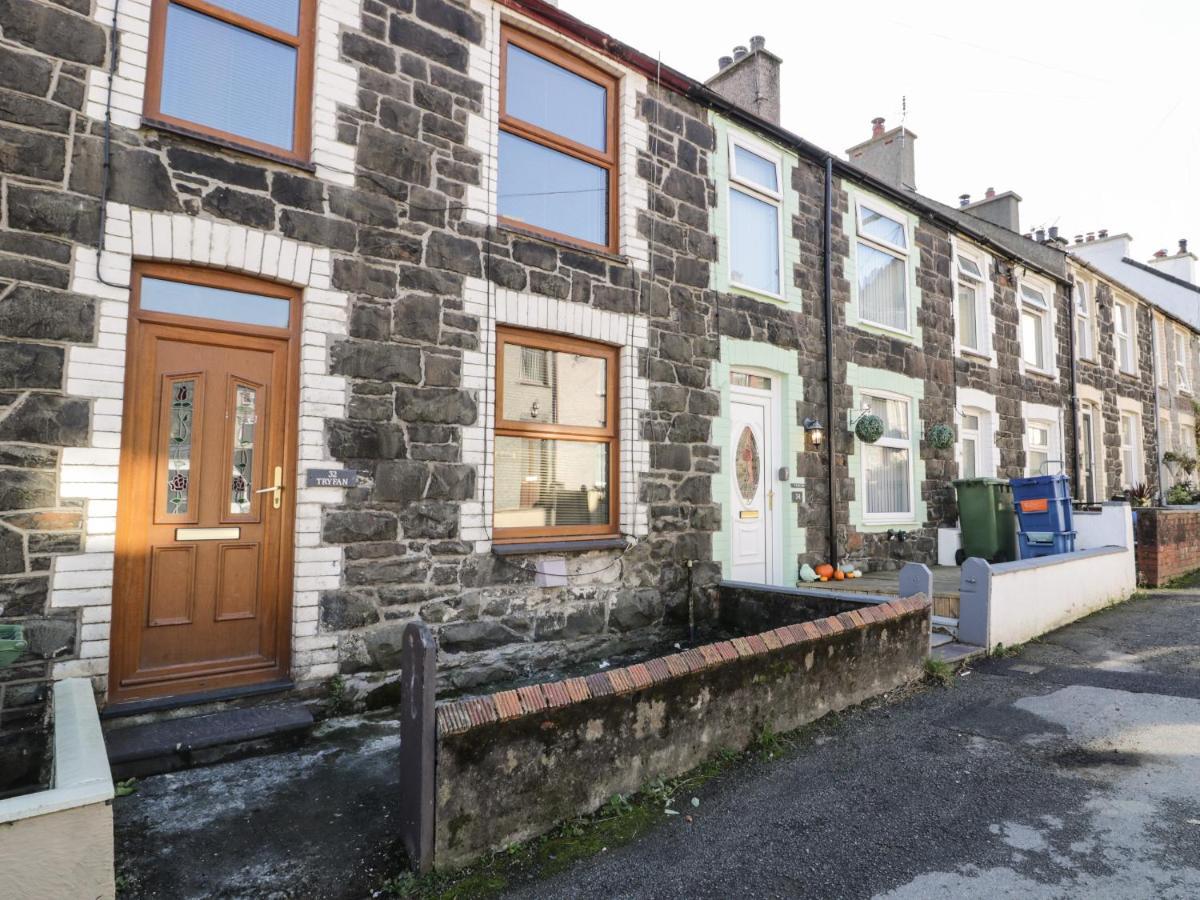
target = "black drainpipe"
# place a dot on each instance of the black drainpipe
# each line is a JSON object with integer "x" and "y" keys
{"x": 1077, "y": 453}
{"x": 831, "y": 428}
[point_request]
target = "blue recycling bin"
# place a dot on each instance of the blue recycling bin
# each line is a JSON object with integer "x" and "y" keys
{"x": 1045, "y": 543}
{"x": 1045, "y": 520}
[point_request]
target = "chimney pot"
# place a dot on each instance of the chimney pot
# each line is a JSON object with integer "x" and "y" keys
{"x": 991, "y": 192}
{"x": 1079, "y": 238}
{"x": 724, "y": 62}
{"x": 1160, "y": 254}
{"x": 740, "y": 53}
{"x": 964, "y": 199}
{"x": 877, "y": 127}
{"x": 1054, "y": 232}
{"x": 1103, "y": 233}
{"x": 758, "y": 42}
{"x": 1040, "y": 235}
{"x": 1091, "y": 235}
{"x": 1183, "y": 245}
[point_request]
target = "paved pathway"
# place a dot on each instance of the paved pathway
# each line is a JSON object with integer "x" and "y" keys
{"x": 1071, "y": 770}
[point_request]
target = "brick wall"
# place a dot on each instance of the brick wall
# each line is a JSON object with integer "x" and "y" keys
{"x": 1168, "y": 544}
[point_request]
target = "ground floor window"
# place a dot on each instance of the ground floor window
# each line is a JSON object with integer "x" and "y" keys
{"x": 887, "y": 464}
{"x": 556, "y": 436}
{"x": 1037, "y": 453}
{"x": 971, "y": 441}
{"x": 1131, "y": 449}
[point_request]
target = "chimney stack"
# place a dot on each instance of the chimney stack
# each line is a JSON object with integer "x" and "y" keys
{"x": 888, "y": 155}
{"x": 750, "y": 79}
{"x": 1181, "y": 265}
{"x": 1001, "y": 209}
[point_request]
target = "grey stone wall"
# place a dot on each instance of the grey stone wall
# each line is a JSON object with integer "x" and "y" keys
{"x": 402, "y": 248}
{"x": 44, "y": 56}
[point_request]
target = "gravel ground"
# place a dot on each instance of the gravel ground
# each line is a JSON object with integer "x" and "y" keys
{"x": 1070, "y": 770}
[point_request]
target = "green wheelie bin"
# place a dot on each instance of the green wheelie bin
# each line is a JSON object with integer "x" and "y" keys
{"x": 985, "y": 515}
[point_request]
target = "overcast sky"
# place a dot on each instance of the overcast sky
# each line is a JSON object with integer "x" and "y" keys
{"x": 1089, "y": 111}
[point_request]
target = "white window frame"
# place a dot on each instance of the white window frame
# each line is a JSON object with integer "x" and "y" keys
{"x": 978, "y": 435}
{"x": 982, "y": 284}
{"x": 910, "y": 445}
{"x": 1161, "y": 351}
{"x": 1183, "y": 360}
{"x": 1048, "y": 448}
{"x": 758, "y": 192}
{"x": 902, "y": 253}
{"x": 1084, "y": 317}
{"x": 1045, "y": 315}
{"x": 1134, "y": 448}
{"x": 1130, "y": 337}
{"x": 1187, "y": 435}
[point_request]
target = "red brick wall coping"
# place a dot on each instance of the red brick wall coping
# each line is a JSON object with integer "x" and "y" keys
{"x": 457, "y": 716}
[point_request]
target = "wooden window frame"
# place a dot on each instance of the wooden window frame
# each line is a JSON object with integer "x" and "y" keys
{"x": 609, "y": 160}
{"x": 608, "y": 435}
{"x": 304, "y": 42}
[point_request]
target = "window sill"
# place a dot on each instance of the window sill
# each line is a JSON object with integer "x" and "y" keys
{"x": 530, "y": 547}
{"x": 564, "y": 243}
{"x": 281, "y": 158}
{"x": 755, "y": 293}
{"x": 978, "y": 355}
{"x": 885, "y": 330}
{"x": 1040, "y": 373}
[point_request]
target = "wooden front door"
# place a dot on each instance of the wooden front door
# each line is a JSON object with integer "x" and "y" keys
{"x": 201, "y": 589}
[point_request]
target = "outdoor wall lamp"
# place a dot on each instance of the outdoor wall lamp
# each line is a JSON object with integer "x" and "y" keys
{"x": 814, "y": 430}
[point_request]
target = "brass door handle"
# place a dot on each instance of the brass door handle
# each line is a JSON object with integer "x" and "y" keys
{"x": 276, "y": 489}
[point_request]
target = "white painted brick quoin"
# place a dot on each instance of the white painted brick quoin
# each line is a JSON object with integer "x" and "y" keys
{"x": 98, "y": 374}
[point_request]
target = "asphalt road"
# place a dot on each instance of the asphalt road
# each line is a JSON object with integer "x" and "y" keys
{"x": 1070, "y": 770}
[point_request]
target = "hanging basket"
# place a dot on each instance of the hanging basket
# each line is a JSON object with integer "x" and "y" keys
{"x": 941, "y": 436}
{"x": 868, "y": 428}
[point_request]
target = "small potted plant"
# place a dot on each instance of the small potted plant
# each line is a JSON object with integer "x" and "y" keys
{"x": 1139, "y": 495}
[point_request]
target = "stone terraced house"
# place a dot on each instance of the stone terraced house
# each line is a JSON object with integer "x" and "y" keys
{"x": 319, "y": 319}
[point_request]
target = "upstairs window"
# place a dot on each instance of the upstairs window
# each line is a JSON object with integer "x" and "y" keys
{"x": 755, "y": 234}
{"x": 238, "y": 71}
{"x": 887, "y": 464}
{"x": 971, "y": 297}
{"x": 882, "y": 265}
{"x": 1123, "y": 335}
{"x": 556, "y": 437}
{"x": 1035, "y": 322}
{"x": 1084, "y": 345}
{"x": 558, "y": 143}
{"x": 1160, "y": 350}
{"x": 1183, "y": 380}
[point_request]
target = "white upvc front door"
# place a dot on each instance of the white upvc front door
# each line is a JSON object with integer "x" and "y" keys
{"x": 753, "y": 461}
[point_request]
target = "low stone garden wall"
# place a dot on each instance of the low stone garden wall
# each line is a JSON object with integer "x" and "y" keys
{"x": 1168, "y": 544}
{"x": 511, "y": 765}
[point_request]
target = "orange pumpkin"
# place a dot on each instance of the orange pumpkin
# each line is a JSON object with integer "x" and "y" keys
{"x": 824, "y": 571}
{"x": 824, "y": 577}
{"x": 839, "y": 575}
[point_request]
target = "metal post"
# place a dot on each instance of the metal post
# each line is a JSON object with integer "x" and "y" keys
{"x": 418, "y": 744}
